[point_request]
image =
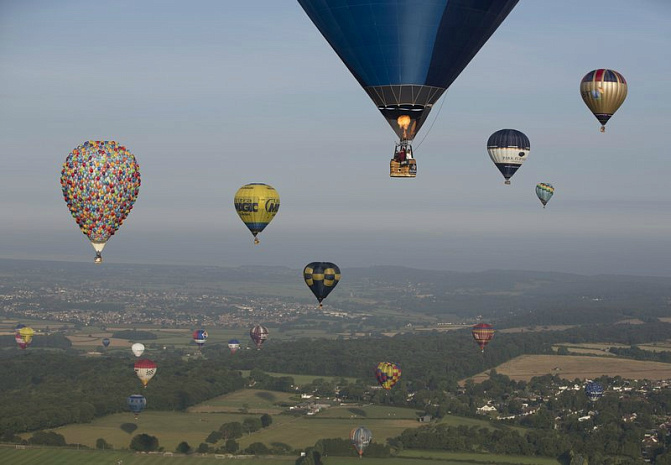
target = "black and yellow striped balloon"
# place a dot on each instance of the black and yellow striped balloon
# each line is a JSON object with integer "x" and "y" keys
{"x": 321, "y": 278}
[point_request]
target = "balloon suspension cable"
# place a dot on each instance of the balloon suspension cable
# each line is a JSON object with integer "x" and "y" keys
{"x": 432, "y": 123}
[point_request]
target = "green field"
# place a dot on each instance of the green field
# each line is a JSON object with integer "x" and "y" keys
{"x": 465, "y": 457}
{"x": 253, "y": 400}
{"x": 302, "y": 380}
{"x": 170, "y": 428}
{"x": 368, "y": 412}
{"x": 57, "y": 456}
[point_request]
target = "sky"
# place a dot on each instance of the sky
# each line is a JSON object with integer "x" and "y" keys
{"x": 212, "y": 94}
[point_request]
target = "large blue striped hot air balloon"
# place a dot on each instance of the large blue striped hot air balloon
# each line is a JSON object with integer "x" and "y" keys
{"x": 406, "y": 53}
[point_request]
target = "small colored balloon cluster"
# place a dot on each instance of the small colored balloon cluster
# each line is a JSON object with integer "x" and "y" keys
{"x": 100, "y": 181}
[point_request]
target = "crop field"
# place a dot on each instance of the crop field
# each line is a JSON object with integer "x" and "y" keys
{"x": 584, "y": 350}
{"x": 570, "y": 367}
{"x": 535, "y": 329}
{"x": 255, "y": 401}
{"x": 602, "y": 349}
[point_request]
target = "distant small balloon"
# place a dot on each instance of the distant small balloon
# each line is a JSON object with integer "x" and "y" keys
{"x": 234, "y": 345}
{"x": 387, "y": 374}
{"x": 360, "y": 438}
{"x": 136, "y": 404}
{"x": 482, "y": 333}
{"x": 106, "y": 342}
{"x": 137, "y": 349}
{"x": 259, "y": 335}
{"x": 594, "y": 391}
{"x": 145, "y": 370}
{"x": 544, "y": 192}
{"x": 199, "y": 337}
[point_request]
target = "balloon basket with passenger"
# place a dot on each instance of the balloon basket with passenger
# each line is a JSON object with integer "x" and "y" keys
{"x": 403, "y": 165}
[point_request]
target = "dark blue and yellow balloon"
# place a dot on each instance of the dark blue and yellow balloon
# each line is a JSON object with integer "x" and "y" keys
{"x": 256, "y": 204}
{"x": 603, "y": 91}
{"x": 406, "y": 53}
{"x": 508, "y": 149}
{"x": 544, "y": 192}
{"x": 321, "y": 278}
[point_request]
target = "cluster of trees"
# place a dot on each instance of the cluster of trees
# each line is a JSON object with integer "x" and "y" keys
{"x": 52, "y": 341}
{"x": 56, "y": 388}
{"x": 231, "y": 431}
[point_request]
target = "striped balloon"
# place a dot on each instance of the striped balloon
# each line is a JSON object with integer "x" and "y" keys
{"x": 508, "y": 149}
{"x": 603, "y": 91}
{"x": 544, "y": 191}
{"x": 482, "y": 333}
{"x": 321, "y": 278}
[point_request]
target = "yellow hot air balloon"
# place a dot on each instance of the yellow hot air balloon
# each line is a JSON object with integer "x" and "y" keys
{"x": 603, "y": 91}
{"x": 256, "y": 204}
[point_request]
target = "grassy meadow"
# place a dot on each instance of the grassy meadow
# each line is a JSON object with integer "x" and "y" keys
{"x": 59, "y": 456}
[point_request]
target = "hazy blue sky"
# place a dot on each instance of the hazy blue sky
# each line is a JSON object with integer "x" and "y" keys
{"x": 211, "y": 95}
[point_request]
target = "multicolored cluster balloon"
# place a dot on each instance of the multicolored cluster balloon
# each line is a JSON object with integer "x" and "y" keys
{"x": 387, "y": 374}
{"x": 100, "y": 182}
{"x": 544, "y": 191}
